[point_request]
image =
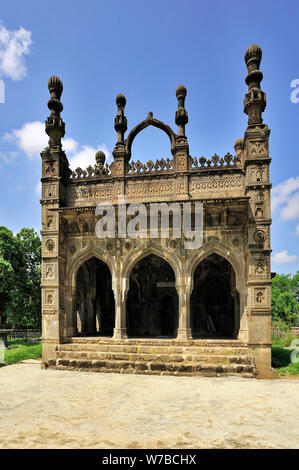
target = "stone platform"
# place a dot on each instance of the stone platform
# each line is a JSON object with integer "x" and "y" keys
{"x": 211, "y": 358}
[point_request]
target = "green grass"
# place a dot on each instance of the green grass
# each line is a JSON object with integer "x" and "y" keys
{"x": 20, "y": 349}
{"x": 283, "y": 341}
{"x": 281, "y": 361}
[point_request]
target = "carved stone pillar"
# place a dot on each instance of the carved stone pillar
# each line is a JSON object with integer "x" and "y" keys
{"x": 184, "y": 330}
{"x": 120, "y": 294}
{"x": 70, "y": 312}
{"x": 91, "y": 321}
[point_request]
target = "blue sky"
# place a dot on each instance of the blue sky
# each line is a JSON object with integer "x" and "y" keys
{"x": 144, "y": 49}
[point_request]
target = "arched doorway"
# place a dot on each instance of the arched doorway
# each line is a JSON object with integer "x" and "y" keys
{"x": 215, "y": 301}
{"x": 95, "y": 306}
{"x": 152, "y": 304}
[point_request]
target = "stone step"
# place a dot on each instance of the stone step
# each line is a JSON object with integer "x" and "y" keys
{"x": 155, "y": 348}
{"x": 157, "y": 368}
{"x": 187, "y": 357}
{"x": 154, "y": 341}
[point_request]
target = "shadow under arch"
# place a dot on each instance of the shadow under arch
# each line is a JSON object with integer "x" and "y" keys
{"x": 149, "y": 121}
{"x": 215, "y": 301}
{"x": 94, "y": 299}
{"x": 82, "y": 258}
{"x": 143, "y": 251}
{"x": 152, "y": 300}
{"x": 220, "y": 249}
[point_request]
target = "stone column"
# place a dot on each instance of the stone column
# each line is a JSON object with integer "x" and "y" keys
{"x": 120, "y": 294}
{"x": 70, "y": 312}
{"x": 184, "y": 330}
{"x": 91, "y": 321}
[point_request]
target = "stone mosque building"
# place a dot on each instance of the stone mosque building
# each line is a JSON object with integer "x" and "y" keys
{"x": 149, "y": 305}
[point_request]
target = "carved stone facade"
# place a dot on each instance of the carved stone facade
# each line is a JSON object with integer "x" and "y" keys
{"x": 149, "y": 293}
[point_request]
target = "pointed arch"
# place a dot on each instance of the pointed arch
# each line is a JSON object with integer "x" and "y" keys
{"x": 83, "y": 256}
{"x": 144, "y": 250}
{"x": 149, "y": 121}
{"x": 219, "y": 248}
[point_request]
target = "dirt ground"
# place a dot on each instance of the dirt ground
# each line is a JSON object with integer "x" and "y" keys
{"x": 65, "y": 409}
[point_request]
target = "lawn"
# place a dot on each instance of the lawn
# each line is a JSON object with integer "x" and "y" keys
{"x": 20, "y": 349}
{"x": 281, "y": 361}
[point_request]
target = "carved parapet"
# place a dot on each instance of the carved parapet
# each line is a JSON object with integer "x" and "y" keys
{"x": 229, "y": 161}
{"x": 149, "y": 168}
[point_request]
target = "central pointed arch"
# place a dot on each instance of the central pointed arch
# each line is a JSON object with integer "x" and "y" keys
{"x": 152, "y": 300}
{"x": 149, "y": 121}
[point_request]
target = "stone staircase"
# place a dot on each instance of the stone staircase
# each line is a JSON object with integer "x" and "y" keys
{"x": 156, "y": 356}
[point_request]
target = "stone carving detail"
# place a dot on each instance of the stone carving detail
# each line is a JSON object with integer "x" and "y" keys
{"x": 256, "y": 149}
{"x": 207, "y": 184}
{"x": 181, "y": 162}
{"x": 49, "y": 298}
{"x": 50, "y": 245}
{"x": 49, "y": 272}
{"x": 50, "y": 169}
{"x": 261, "y": 267}
{"x": 260, "y": 296}
{"x": 50, "y": 222}
{"x": 83, "y": 195}
{"x": 215, "y": 162}
{"x": 257, "y": 175}
{"x": 49, "y": 190}
{"x": 160, "y": 166}
{"x": 173, "y": 244}
{"x": 259, "y": 236}
{"x": 150, "y": 189}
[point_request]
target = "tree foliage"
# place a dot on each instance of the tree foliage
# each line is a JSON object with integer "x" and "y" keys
{"x": 285, "y": 299}
{"x": 20, "y": 274}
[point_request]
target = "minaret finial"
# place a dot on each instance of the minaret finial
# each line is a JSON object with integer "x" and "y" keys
{"x": 255, "y": 99}
{"x": 181, "y": 115}
{"x": 120, "y": 122}
{"x": 54, "y": 124}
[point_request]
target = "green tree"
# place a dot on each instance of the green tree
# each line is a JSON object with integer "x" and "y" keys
{"x": 285, "y": 301}
{"x": 6, "y": 288}
{"x": 21, "y": 305}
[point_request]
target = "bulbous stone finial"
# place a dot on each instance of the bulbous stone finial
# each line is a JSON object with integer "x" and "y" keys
{"x": 120, "y": 122}
{"x": 239, "y": 144}
{"x": 254, "y": 52}
{"x": 100, "y": 157}
{"x": 181, "y": 92}
{"x": 121, "y": 100}
{"x": 55, "y": 84}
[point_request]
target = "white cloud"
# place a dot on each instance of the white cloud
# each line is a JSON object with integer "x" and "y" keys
{"x": 86, "y": 156}
{"x": 291, "y": 210}
{"x": 38, "y": 188}
{"x": 297, "y": 230}
{"x": 69, "y": 145}
{"x": 283, "y": 257}
{"x": 14, "y": 45}
{"x": 31, "y": 138}
{"x": 8, "y": 157}
{"x": 282, "y": 192}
